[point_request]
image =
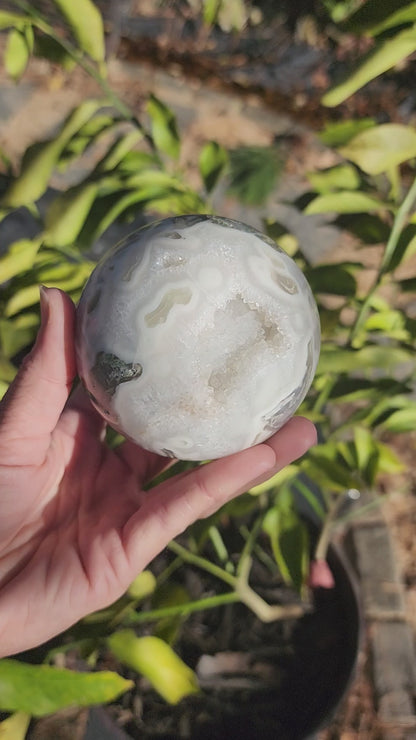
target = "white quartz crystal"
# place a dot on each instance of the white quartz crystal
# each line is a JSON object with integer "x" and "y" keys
{"x": 197, "y": 337}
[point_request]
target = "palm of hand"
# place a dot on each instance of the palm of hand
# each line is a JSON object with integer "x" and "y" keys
{"x": 76, "y": 524}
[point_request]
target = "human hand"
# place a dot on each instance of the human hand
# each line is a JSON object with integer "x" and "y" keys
{"x": 76, "y": 526}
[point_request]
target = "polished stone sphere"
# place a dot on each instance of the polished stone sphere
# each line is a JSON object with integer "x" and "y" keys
{"x": 197, "y": 337}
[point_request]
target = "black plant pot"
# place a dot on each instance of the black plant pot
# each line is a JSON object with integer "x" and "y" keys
{"x": 306, "y": 666}
{"x": 315, "y": 672}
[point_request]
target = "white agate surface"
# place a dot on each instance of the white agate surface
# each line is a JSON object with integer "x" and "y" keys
{"x": 197, "y": 337}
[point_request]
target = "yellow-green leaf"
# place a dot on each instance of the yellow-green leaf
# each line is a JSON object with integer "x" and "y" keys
{"x": 15, "y": 727}
{"x": 86, "y": 22}
{"x": 12, "y": 20}
{"x": 40, "y": 161}
{"x": 385, "y": 56}
{"x": 40, "y": 690}
{"x": 19, "y": 258}
{"x": 143, "y": 585}
{"x": 17, "y": 52}
{"x": 340, "y": 177}
{"x": 382, "y": 147}
{"x": 67, "y": 213}
{"x": 344, "y": 201}
{"x": 118, "y": 151}
{"x": 283, "y": 476}
{"x": 155, "y": 659}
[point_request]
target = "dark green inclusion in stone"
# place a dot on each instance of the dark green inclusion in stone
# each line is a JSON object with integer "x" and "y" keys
{"x": 110, "y": 371}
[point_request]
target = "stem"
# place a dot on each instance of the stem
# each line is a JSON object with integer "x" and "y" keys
{"x": 203, "y": 563}
{"x": 244, "y": 563}
{"x": 210, "y": 602}
{"x": 399, "y": 221}
{"x": 241, "y": 590}
{"x": 324, "y": 540}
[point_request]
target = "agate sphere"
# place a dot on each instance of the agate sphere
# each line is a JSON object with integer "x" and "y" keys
{"x": 197, "y": 337}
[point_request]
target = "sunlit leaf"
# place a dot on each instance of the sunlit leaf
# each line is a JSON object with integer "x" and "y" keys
{"x": 143, "y": 585}
{"x": 385, "y": 56}
{"x": 66, "y": 215}
{"x": 373, "y": 13}
{"x": 18, "y": 258}
{"x": 340, "y": 360}
{"x": 155, "y": 659}
{"x": 402, "y": 420}
{"x": 17, "y": 52}
{"x": 86, "y": 22}
{"x": 40, "y": 690}
{"x": 12, "y": 20}
{"x": 17, "y": 334}
{"x": 344, "y": 201}
{"x": 15, "y": 727}
{"x": 41, "y": 159}
{"x": 340, "y": 177}
{"x": 337, "y": 133}
{"x": 382, "y": 147}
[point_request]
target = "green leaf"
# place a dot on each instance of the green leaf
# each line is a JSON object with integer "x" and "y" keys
{"x": 253, "y": 173}
{"x": 15, "y": 727}
{"x": 66, "y": 215}
{"x": 213, "y": 160}
{"x": 17, "y": 334}
{"x": 86, "y": 22}
{"x": 164, "y": 129}
{"x": 13, "y": 20}
{"x": 19, "y": 257}
{"x": 371, "y": 357}
{"x": 340, "y": 177}
{"x": 372, "y": 14}
{"x": 155, "y": 659}
{"x": 340, "y": 132}
{"x": 331, "y": 279}
{"x": 402, "y": 420}
{"x": 210, "y": 11}
{"x": 385, "y": 56}
{"x": 408, "y": 285}
{"x": 48, "y": 48}
{"x": 119, "y": 149}
{"x": 364, "y": 447}
{"x": 278, "y": 480}
{"x": 367, "y": 227}
{"x": 400, "y": 17}
{"x": 290, "y": 544}
{"x": 40, "y": 690}
{"x": 388, "y": 461}
{"x": 17, "y": 52}
{"x": 327, "y": 473}
{"x": 381, "y": 148}
{"x": 405, "y": 248}
{"x": 40, "y": 161}
{"x": 344, "y": 201}
{"x": 143, "y": 585}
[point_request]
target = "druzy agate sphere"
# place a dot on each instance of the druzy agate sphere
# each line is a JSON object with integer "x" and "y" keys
{"x": 197, "y": 337}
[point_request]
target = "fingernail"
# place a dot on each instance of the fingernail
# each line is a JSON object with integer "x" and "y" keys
{"x": 44, "y": 305}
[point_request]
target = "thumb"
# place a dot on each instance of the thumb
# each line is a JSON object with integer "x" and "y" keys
{"x": 33, "y": 404}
